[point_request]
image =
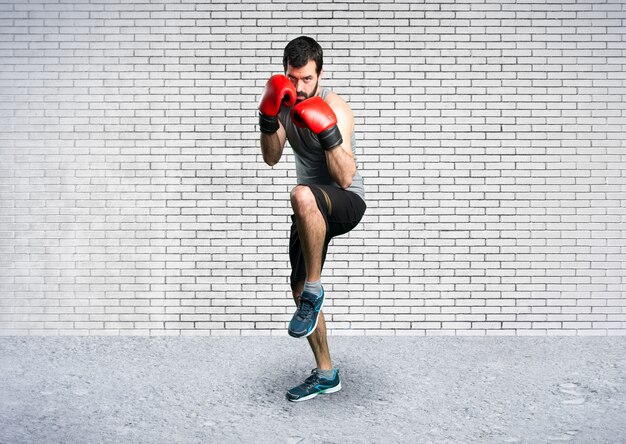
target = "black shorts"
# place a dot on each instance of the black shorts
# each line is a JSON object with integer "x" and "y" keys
{"x": 342, "y": 211}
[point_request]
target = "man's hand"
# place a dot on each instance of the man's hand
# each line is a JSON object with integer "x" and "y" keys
{"x": 316, "y": 115}
{"x": 278, "y": 90}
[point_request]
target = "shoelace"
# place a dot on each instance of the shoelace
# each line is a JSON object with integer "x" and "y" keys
{"x": 306, "y": 307}
{"x": 312, "y": 380}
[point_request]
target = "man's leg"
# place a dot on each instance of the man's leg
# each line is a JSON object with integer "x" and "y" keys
{"x": 317, "y": 339}
{"x": 311, "y": 230}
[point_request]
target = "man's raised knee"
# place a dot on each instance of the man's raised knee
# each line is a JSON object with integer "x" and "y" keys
{"x": 302, "y": 199}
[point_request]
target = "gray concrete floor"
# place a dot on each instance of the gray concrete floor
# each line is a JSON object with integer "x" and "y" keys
{"x": 232, "y": 389}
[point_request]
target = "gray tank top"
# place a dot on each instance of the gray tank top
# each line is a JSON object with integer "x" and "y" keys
{"x": 311, "y": 167}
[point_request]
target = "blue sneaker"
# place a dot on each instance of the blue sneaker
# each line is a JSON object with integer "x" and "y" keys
{"x": 304, "y": 320}
{"x": 313, "y": 386}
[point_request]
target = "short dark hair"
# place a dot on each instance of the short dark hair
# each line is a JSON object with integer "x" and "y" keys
{"x": 300, "y": 50}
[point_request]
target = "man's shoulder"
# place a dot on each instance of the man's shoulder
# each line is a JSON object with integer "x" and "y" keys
{"x": 334, "y": 97}
{"x": 337, "y": 103}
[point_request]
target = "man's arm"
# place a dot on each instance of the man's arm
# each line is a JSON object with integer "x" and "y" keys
{"x": 272, "y": 145}
{"x": 340, "y": 160}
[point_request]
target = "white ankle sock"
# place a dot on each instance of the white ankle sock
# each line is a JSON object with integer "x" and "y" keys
{"x": 328, "y": 374}
{"x": 313, "y": 287}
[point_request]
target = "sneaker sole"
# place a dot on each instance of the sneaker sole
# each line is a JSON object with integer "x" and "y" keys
{"x": 321, "y": 392}
{"x": 317, "y": 318}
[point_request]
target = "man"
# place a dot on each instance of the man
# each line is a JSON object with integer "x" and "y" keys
{"x": 329, "y": 198}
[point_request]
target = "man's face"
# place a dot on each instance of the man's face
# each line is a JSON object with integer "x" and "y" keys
{"x": 305, "y": 79}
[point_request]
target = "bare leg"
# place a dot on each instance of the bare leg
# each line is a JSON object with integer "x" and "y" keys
{"x": 311, "y": 230}
{"x": 317, "y": 339}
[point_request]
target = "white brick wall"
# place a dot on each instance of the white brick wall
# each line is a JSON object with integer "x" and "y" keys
{"x": 490, "y": 135}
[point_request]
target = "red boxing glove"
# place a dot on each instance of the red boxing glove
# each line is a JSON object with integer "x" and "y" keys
{"x": 278, "y": 90}
{"x": 316, "y": 115}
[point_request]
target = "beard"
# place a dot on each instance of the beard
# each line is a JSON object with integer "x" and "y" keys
{"x": 301, "y": 95}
